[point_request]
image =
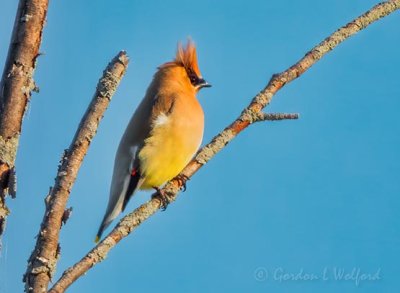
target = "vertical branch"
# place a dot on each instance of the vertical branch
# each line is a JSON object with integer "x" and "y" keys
{"x": 16, "y": 86}
{"x": 43, "y": 260}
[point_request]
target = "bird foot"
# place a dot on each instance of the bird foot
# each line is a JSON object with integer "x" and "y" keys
{"x": 164, "y": 199}
{"x": 182, "y": 179}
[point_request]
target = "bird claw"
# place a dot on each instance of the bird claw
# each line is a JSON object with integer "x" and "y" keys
{"x": 162, "y": 197}
{"x": 181, "y": 178}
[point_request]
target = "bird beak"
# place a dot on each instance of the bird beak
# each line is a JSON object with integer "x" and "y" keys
{"x": 203, "y": 83}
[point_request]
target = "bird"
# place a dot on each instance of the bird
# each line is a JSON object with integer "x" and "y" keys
{"x": 163, "y": 135}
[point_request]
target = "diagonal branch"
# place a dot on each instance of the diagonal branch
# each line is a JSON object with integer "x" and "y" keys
{"x": 247, "y": 117}
{"x": 16, "y": 86}
{"x": 43, "y": 260}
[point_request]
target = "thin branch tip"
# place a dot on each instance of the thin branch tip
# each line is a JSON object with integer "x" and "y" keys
{"x": 276, "y": 116}
{"x": 123, "y": 58}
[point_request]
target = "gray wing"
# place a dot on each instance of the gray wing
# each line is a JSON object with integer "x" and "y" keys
{"x": 125, "y": 160}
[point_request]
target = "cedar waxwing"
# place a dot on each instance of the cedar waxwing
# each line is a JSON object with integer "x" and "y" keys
{"x": 163, "y": 134}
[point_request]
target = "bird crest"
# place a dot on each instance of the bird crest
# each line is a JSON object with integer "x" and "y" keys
{"x": 186, "y": 57}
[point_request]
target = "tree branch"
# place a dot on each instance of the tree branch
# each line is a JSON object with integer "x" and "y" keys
{"x": 16, "y": 86}
{"x": 248, "y": 116}
{"x": 42, "y": 262}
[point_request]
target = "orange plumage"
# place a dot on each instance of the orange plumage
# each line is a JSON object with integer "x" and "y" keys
{"x": 186, "y": 57}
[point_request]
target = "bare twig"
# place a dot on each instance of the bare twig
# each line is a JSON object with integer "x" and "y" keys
{"x": 275, "y": 116}
{"x": 15, "y": 89}
{"x": 42, "y": 262}
{"x": 248, "y": 116}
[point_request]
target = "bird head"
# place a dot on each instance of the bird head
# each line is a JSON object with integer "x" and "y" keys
{"x": 185, "y": 63}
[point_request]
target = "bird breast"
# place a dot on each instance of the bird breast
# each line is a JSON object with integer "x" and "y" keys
{"x": 173, "y": 141}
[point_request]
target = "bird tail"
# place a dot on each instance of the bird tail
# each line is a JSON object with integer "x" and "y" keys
{"x": 119, "y": 200}
{"x": 104, "y": 224}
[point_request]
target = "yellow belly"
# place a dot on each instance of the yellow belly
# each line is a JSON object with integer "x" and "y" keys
{"x": 167, "y": 151}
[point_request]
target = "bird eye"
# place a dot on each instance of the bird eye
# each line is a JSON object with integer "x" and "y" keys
{"x": 193, "y": 79}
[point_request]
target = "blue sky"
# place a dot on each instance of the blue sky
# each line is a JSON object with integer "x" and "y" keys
{"x": 320, "y": 193}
